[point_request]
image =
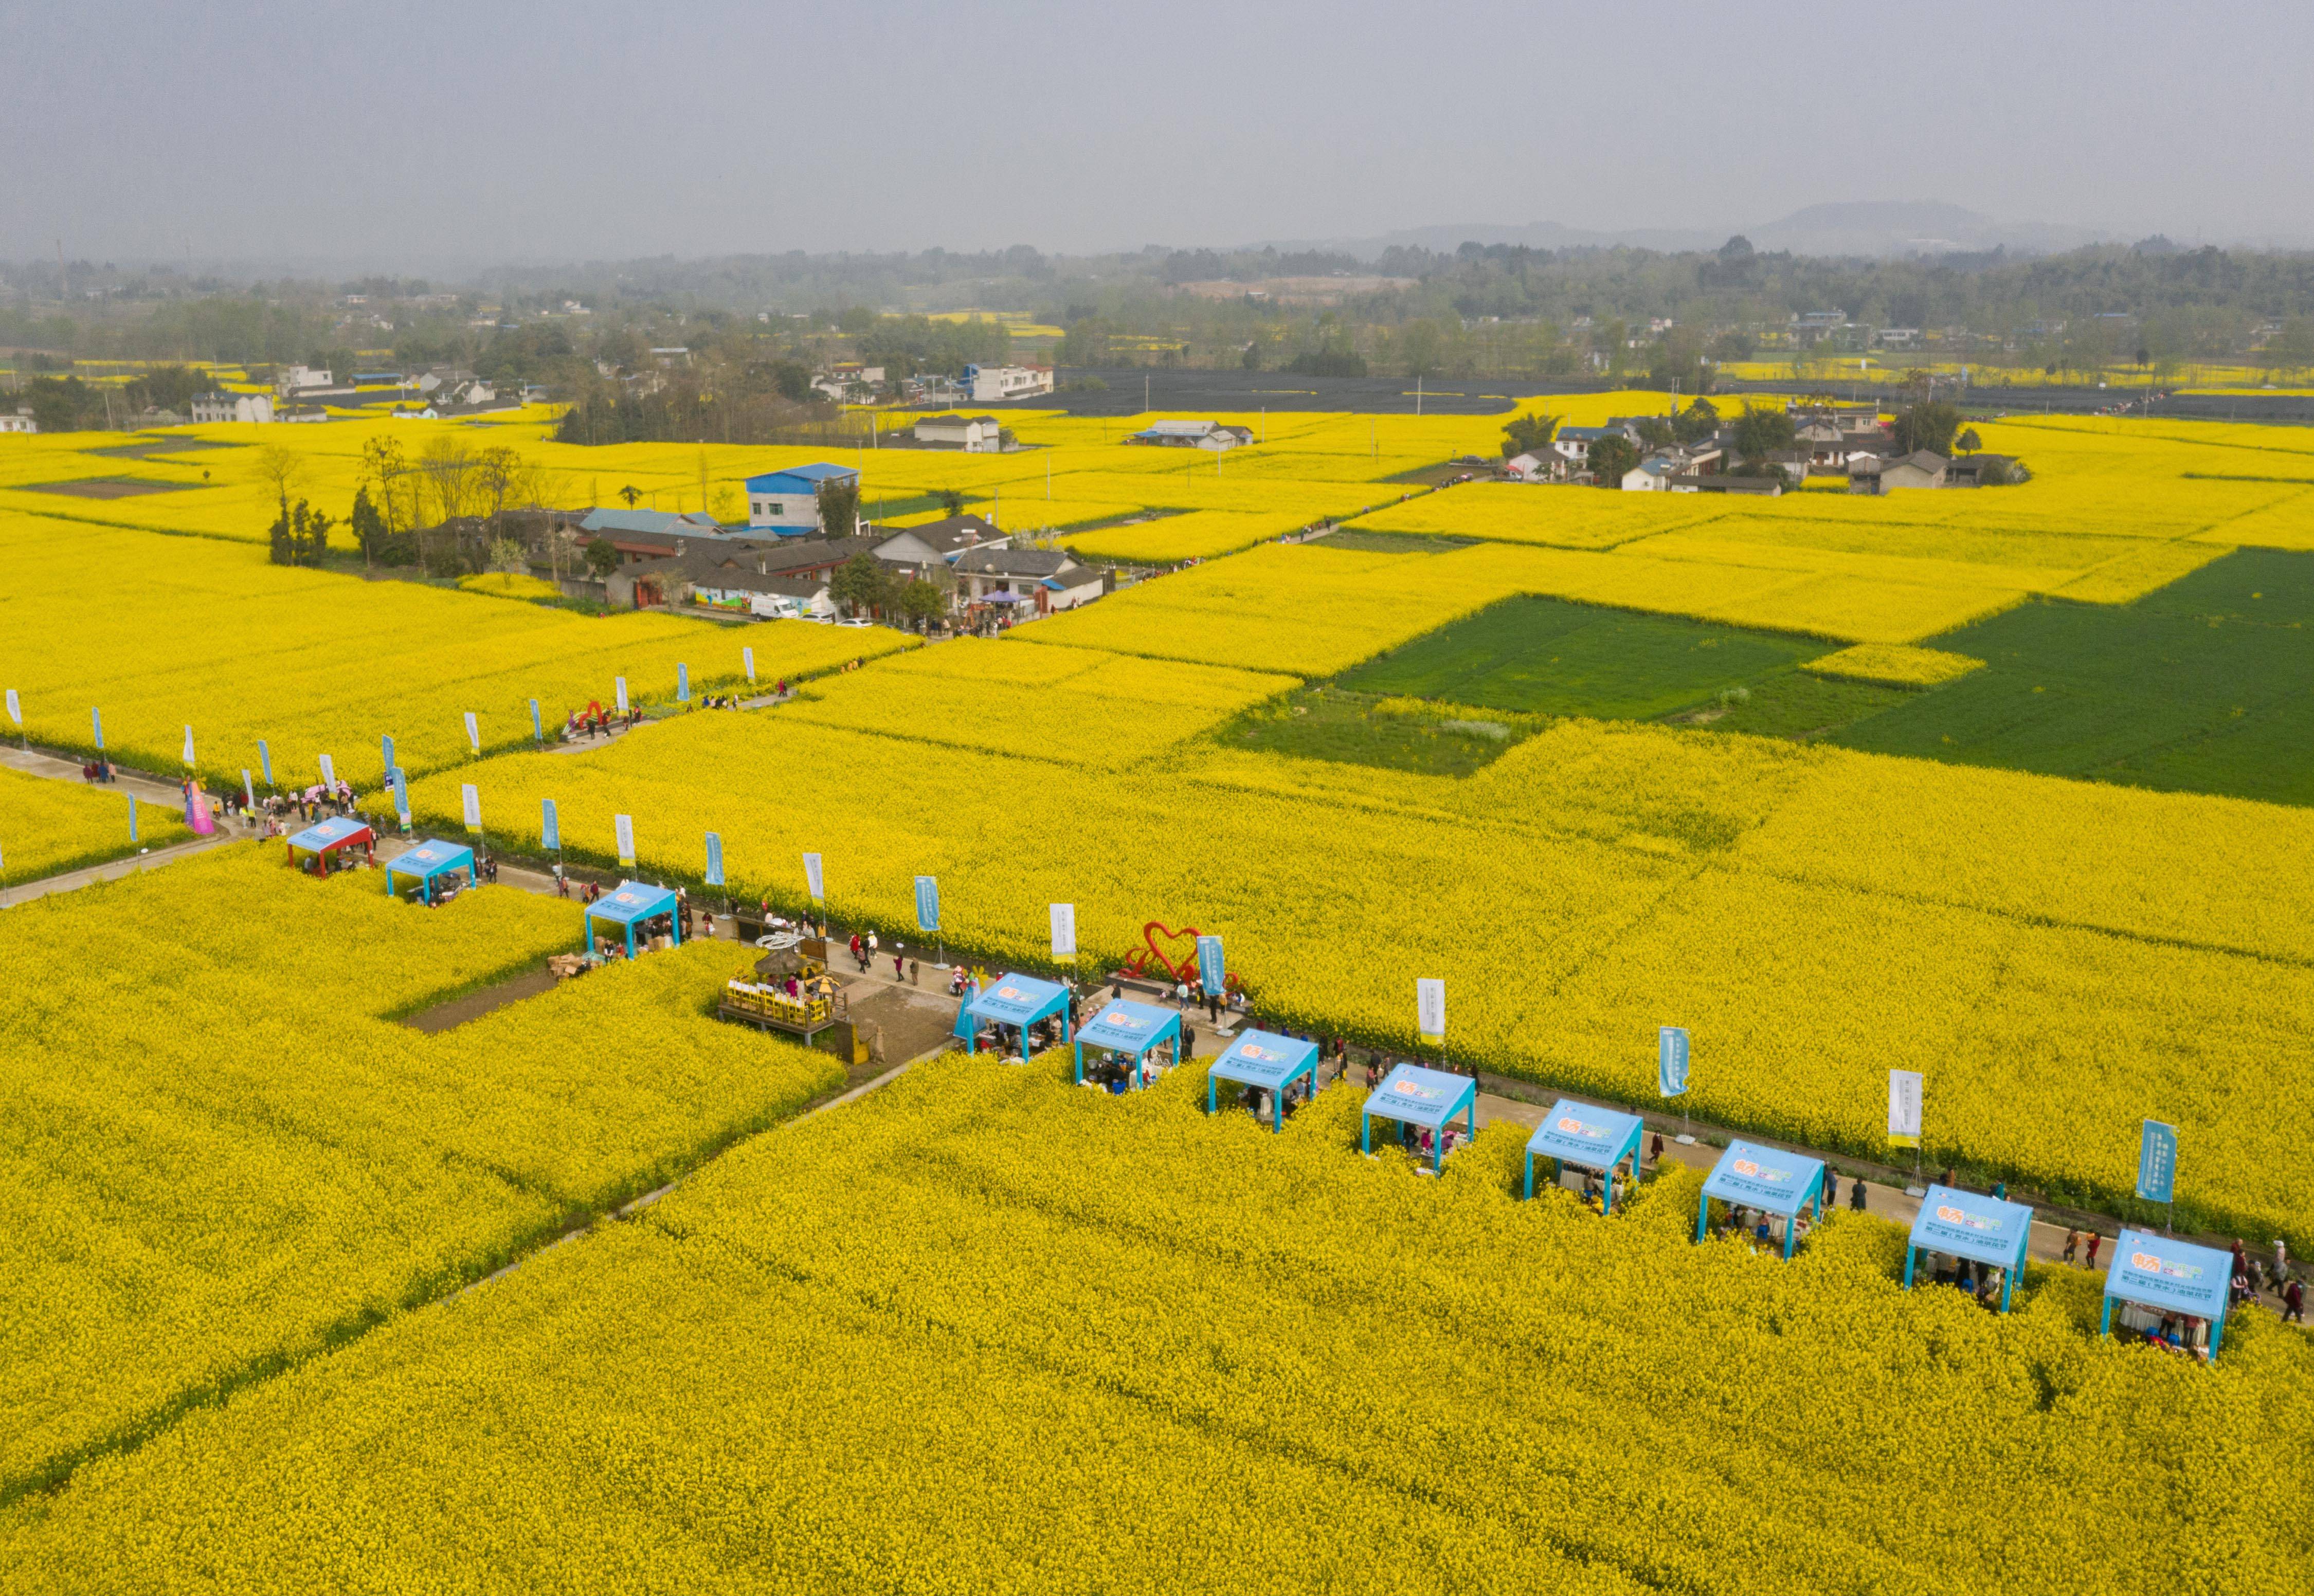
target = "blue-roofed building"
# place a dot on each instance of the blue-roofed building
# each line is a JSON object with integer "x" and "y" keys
{"x": 787, "y": 502}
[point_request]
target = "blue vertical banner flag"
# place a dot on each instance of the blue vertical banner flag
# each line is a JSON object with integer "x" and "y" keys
{"x": 473, "y": 732}
{"x": 385, "y": 754}
{"x": 2157, "y": 1162}
{"x": 927, "y": 903}
{"x": 550, "y": 825}
{"x": 682, "y": 682}
{"x": 132, "y": 817}
{"x": 748, "y": 654}
{"x": 265, "y": 761}
{"x": 96, "y": 724}
{"x": 714, "y": 860}
{"x": 400, "y": 780}
{"x": 537, "y": 726}
{"x": 1671, "y": 1061}
{"x": 188, "y": 748}
{"x": 1212, "y": 970}
{"x": 248, "y": 793}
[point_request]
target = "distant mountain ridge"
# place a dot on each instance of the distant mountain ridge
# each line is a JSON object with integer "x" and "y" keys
{"x": 1871, "y": 227}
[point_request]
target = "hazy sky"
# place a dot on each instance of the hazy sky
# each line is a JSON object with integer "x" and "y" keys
{"x": 411, "y": 132}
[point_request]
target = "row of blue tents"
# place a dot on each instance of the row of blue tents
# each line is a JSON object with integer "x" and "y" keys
{"x": 2159, "y": 1272}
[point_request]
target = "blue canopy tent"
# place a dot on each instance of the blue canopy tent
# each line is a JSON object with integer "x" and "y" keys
{"x": 1768, "y": 1179}
{"x": 1017, "y": 1001}
{"x": 633, "y": 903}
{"x": 1124, "y": 1026}
{"x": 1986, "y": 1230}
{"x": 322, "y": 840}
{"x": 1588, "y": 1138}
{"x": 1265, "y": 1060}
{"x": 427, "y": 861}
{"x": 2168, "y": 1277}
{"x": 1428, "y": 1098}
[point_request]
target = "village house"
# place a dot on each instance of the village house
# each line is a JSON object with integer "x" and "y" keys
{"x": 787, "y": 502}
{"x": 974, "y": 434}
{"x": 1191, "y": 434}
{"x": 991, "y": 384}
{"x": 232, "y": 406}
{"x": 1035, "y": 581}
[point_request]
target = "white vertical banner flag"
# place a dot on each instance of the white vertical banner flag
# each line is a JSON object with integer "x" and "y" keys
{"x": 188, "y": 748}
{"x": 248, "y": 792}
{"x": 1430, "y": 1010}
{"x": 811, "y": 878}
{"x": 15, "y": 710}
{"x": 1065, "y": 931}
{"x": 473, "y": 732}
{"x": 473, "y": 802}
{"x": 625, "y": 826}
{"x": 749, "y": 656}
{"x": 1903, "y": 1107}
{"x": 620, "y": 682}
{"x": 329, "y": 770}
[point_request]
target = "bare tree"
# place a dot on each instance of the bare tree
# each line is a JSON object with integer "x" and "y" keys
{"x": 450, "y": 471}
{"x": 283, "y": 467}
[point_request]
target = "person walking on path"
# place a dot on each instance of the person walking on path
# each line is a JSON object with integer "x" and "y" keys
{"x": 2293, "y": 1303}
{"x": 1654, "y": 1150}
{"x": 2281, "y": 1258}
{"x": 1831, "y": 1179}
{"x": 2072, "y": 1244}
{"x": 2097, "y": 1240}
{"x": 913, "y": 971}
{"x": 1856, "y": 1194}
{"x": 1213, "y": 1008}
{"x": 898, "y": 950}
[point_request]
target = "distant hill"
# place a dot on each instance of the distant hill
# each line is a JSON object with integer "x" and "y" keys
{"x": 1873, "y": 227}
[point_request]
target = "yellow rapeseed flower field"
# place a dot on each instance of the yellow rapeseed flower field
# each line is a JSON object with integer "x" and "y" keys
{"x": 1894, "y": 665}
{"x": 48, "y": 827}
{"x": 2060, "y": 960}
{"x": 162, "y": 633}
{"x": 225, "y": 1152}
{"x": 987, "y": 1332}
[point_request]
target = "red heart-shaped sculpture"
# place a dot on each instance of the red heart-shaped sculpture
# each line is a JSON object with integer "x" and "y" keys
{"x": 1182, "y": 969}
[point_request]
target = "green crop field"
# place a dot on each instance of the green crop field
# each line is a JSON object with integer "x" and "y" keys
{"x": 1553, "y": 656}
{"x": 2205, "y": 685}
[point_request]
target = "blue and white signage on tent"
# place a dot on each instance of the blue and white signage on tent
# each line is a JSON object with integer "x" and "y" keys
{"x": 1267, "y": 1061}
{"x": 1671, "y": 1061}
{"x": 1415, "y": 1096}
{"x": 1589, "y": 1138}
{"x": 1965, "y": 1225}
{"x": 1212, "y": 969}
{"x": 1134, "y": 1029}
{"x": 1768, "y": 1179}
{"x": 1016, "y": 1000}
{"x": 2157, "y": 1162}
{"x": 2168, "y": 1277}
{"x": 927, "y": 903}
